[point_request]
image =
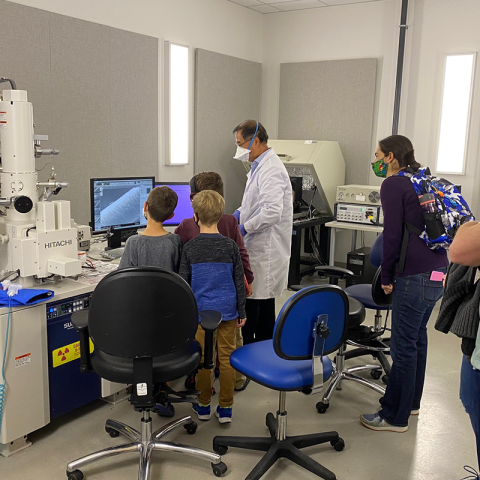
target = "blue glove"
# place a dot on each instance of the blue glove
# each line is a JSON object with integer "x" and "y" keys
{"x": 242, "y": 230}
{"x": 236, "y": 214}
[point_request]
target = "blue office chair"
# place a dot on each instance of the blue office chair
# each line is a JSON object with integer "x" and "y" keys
{"x": 311, "y": 324}
{"x": 367, "y": 340}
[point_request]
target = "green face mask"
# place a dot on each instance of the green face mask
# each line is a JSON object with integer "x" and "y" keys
{"x": 380, "y": 168}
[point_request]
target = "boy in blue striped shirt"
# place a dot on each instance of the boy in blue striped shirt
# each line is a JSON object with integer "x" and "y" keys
{"x": 212, "y": 265}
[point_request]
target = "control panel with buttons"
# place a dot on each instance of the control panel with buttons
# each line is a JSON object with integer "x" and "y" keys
{"x": 69, "y": 306}
{"x": 370, "y": 215}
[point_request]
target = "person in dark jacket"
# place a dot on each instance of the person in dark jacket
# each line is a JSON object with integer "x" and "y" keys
{"x": 415, "y": 291}
{"x": 465, "y": 250}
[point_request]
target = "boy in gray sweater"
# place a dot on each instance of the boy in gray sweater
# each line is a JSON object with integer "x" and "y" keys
{"x": 155, "y": 247}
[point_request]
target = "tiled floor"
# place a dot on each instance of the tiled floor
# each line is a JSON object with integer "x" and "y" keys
{"x": 437, "y": 445}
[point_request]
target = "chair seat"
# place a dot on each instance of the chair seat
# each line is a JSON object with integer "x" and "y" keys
{"x": 356, "y": 313}
{"x": 165, "y": 368}
{"x": 363, "y": 293}
{"x": 259, "y": 362}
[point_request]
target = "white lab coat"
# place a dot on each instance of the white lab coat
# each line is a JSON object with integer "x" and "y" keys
{"x": 267, "y": 215}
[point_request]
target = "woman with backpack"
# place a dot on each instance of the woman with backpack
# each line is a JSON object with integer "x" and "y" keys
{"x": 415, "y": 290}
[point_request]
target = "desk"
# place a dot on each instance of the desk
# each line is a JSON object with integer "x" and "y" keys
{"x": 354, "y": 227}
{"x": 32, "y": 387}
{"x": 295, "y": 274}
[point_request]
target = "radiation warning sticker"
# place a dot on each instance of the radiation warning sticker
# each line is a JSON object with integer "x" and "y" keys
{"x": 68, "y": 353}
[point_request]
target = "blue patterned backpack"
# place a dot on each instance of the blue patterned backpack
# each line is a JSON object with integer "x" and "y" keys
{"x": 450, "y": 209}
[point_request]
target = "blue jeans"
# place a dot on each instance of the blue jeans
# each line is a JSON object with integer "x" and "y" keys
{"x": 414, "y": 297}
{"x": 470, "y": 396}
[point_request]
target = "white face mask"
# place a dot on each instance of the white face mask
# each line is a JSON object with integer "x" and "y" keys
{"x": 242, "y": 154}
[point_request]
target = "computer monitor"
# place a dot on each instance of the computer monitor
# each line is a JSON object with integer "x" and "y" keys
{"x": 184, "y": 206}
{"x": 117, "y": 204}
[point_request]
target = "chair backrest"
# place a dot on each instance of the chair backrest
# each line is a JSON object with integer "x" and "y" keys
{"x": 377, "y": 251}
{"x": 142, "y": 312}
{"x": 378, "y": 295}
{"x": 294, "y": 330}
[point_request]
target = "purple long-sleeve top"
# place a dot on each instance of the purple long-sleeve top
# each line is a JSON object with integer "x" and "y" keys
{"x": 400, "y": 203}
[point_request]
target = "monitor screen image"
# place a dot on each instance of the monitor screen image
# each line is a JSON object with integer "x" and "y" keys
{"x": 118, "y": 202}
{"x": 184, "y": 206}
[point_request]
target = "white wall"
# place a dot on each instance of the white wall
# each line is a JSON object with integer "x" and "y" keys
{"x": 216, "y": 25}
{"x": 442, "y": 27}
{"x": 436, "y": 27}
{"x": 368, "y": 30}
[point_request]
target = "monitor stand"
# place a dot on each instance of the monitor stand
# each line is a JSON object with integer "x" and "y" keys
{"x": 119, "y": 236}
{"x": 114, "y": 241}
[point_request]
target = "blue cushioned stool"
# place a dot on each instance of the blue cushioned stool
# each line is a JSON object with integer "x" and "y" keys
{"x": 311, "y": 324}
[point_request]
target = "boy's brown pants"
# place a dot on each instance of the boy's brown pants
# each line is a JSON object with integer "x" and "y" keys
{"x": 226, "y": 343}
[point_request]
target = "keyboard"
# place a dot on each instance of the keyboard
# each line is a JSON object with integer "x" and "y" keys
{"x": 112, "y": 254}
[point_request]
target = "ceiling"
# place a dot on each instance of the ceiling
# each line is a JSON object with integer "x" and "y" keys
{"x": 276, "y": 6}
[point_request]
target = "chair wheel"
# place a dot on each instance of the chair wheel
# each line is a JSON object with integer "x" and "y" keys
{"x": 191, "y": 428}
{"x": 375, "y": 374}
{"x": 220, "y": 449}
{"x": 75, "y": 475}
{"x": 385, "y": 379}
{"x": 322, "y": 407}
{"x": 113, "y": 433}
{"x": 271, "y": 423}
{"x": 219, "y": 469}
{"x": 338, "y": 445}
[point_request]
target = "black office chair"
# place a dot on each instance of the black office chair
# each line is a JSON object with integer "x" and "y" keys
{"x": 142, "y": 322}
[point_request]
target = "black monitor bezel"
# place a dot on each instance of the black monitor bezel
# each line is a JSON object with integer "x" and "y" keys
{"x": 166, "y": 184}
{"x": 92, "y": 180}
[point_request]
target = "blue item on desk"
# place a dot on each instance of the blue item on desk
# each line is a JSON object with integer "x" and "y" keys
{"x": 26, "y": 296}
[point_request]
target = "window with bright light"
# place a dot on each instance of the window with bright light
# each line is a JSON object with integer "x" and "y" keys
{"x": 178, "y": 104}
{"x": 457, "y": 99}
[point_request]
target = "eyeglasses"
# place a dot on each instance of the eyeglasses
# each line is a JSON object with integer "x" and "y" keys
{"x": 243, "y": 143}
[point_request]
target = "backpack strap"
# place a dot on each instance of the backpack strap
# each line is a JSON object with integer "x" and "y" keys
{"x": 407, "y": 229}
{"x": 403, "y": 250}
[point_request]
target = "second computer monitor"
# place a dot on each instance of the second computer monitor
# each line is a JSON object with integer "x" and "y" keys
{"x": 184, "y": 206}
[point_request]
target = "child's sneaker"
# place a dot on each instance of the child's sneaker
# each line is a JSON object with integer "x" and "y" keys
{"x": 165, "y": 409}
{"x": 202, "y": 411}
{"x": 224, "y": 414}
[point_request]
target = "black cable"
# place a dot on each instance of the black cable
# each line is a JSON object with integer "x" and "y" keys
{"x": 309, "y": 212}
{"x": 43, "y": 167}
{"x": 31, "y": 228}
{"x": 12, "y": 83}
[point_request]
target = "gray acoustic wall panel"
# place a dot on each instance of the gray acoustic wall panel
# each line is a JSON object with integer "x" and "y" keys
{"x": 94, "y": 91}
{"x": 25, "y": 57}
{"x": 227, "y": 92}
{"x": 331, "y": 100}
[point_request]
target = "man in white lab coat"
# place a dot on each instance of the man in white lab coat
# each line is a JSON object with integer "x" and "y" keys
{"x": 265, "y": 220}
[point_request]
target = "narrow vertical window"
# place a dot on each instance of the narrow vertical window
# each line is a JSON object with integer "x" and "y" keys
{"x": 456, "y": 106}
{"x": 178, "y": 128}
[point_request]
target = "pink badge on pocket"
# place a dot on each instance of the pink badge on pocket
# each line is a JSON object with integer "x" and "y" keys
{"x": 436, "y": 276}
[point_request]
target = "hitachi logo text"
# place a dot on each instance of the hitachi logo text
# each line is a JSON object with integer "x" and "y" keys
{"x": 62, "y": 243}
